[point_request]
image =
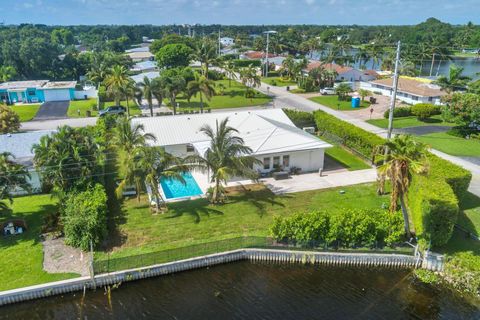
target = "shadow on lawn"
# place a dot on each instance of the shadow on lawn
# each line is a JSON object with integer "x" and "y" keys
{"x": 260, "y": 199}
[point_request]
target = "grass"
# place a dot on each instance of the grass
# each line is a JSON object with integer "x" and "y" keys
{"x": 452, "y": 145}
{"x": 469, "y": 217}
{"x": 26, "y": 112}
{"x": 90, "y": 105}
{"x": 406, "y": 122}
{"x": 279, "y": 82}
{"x": 233, "y": 97}
{"x": 332, "y": 102}
{"x": 346, "y": 158}
{"x": 22, "y": 255}
{"x": 247, "y": 213}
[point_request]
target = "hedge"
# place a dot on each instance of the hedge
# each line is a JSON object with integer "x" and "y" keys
{"x": 351, "y": 136}
{"x": 243, "y": 63}
{"x": 301, "y": 119}
{"x": 433, "y": 200}
{"x": 398, "y": 112}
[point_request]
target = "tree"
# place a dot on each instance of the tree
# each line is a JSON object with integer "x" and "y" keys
{"x": 250, "y": 77}
{"x": 206, "y": 52}
{"x": 13, "y": 176}
{"x": 116, "y": 80}
{"x": 172, "y": 83}
{"x": 405, "y": 157}
{"x": 173, "y": 56}
{"x": 230, "y": 71}
{"x": 226, "y": 157}
{"x": 202, "y": 86}
{"x": 131, "y": 93}
{"x": 342, "y": 90}
{"x": 7, "y": 73}
{"x": 130, "y": 139}
{"x": 364, "y": 93}
{"x": 155, "y": 163}
{"x": 9, "y": 120}
{"x": 151, "y": 89}
{"x": 464, "y": 108}
{"x": 454, "y": 81}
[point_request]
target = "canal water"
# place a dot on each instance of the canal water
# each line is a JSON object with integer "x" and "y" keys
{"x": 245, "y": 290}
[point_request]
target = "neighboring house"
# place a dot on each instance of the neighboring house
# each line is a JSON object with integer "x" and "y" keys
{"x": 255, "y": 55}
{"x": 272, "y": 136}
{"x": 138, "y": 56}
{"x": 138, "y": 49}
{"x": 410, "y": 90}
{"x": 345, "y": 73}
{"x": 226, "y": 41}
{"x": 144, "y": 66}
{"x": 20, "y": 146}
{"x": 36, "y": 91}
{"x": 150, "y": 75}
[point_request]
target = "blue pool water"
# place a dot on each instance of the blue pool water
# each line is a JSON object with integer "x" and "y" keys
{"x": 176, "y": 189}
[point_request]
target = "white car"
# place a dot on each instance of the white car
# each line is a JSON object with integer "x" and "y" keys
{"x": 326, "y": 91}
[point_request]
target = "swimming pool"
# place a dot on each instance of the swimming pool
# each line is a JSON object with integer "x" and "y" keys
{"x": 173, "y": 188}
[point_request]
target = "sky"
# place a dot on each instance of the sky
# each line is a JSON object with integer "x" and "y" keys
{"x": 160, "y": 12}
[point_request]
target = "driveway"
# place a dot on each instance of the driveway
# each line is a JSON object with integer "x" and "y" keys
{"x": 52, "y": 110}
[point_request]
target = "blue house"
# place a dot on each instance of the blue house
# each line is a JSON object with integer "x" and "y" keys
{"x": 37, "y": 91}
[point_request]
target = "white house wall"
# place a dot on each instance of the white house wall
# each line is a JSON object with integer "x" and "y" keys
{"x": 307, "y": 161}
{"x": 402, "y": 96}
{"x": 34, "y": 181}
{"x": 90, "y": 93}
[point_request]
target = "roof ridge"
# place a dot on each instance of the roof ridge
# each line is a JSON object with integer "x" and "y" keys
{"x": 266, "y": 138}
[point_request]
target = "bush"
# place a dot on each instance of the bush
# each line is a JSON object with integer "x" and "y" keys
{"x": 297, "y": 90}
{"x": 9, "y": 120}
{"x": 350, "y": 228}
{"x": 301, "y": 119}
{"x": 85, "y": 217}
{"x": 215, "y": 75}
{"x": 351, "y": 136}
{"x": 240, "y": 63}
{"x": 462, "y": 271}
{"x": 399, "y": 112}
{"x": 425, "y": 110}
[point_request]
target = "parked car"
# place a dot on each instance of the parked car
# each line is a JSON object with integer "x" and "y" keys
{"x": 326, "y": 91}
{"x": 112, "y": 110}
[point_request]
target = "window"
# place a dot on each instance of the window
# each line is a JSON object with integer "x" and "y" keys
{"x": 430, "y": 98}
{"x": 415, "y": 98}
{"x": 190, "y": 148}
{"x": 266, "y": 163}
{"x": 286, "y": 161}
{"x": 276, "y": 162}
{"x": 31, "y": 92}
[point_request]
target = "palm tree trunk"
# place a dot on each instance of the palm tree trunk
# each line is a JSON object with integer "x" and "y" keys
{"x": 128, "y": 107}
{"x": 138, "y": 186}
{"x": 150, "y": 105}
{"x": 405, "y": 216}
{"x": 174, "y": 105}
{"x": 433, "y": 62}
{"x": 201, "y": 103}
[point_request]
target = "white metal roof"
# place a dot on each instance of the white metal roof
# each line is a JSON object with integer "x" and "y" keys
{"x": 264, "y": 131}
{"x": 150, "y": 75}
{"x": 20, "y": 144}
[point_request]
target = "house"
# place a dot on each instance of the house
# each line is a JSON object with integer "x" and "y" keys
{"x": 20, "y": 146}
{"x": 272, "y": 136}
{"x": 255, "y": 55}
{"x": 139, "y": 56}
{"x": 144, "y": 66}
{"x": 34, "y": 91}
{"x": 150, "y": 75}
{"x": 227, "y": 41}
{"x": 138, "y": 49}
{"x": 410, "y": 90}
{"x": 344, "y": 73}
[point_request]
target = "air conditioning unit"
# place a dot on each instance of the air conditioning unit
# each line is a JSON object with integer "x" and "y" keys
{"x": 310, "y": 130}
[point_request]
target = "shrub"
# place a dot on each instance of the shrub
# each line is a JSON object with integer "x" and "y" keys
{"x": 301, "y": 119}
{"x": 351, "y": 136}
{"x": 215, "y": 75}
{"x": 425, "y": 110}
{"x": 9, "y": 120}
{"x": 85, "y": 217}
{"x": 240, "y": 63}
{"x": 399, "y": 112}
{"x": 462, "y": 271}
{"x": 298, "y": 90}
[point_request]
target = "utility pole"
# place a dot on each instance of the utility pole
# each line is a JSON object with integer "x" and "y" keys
{"x": 394, "y": 94}
{"x": 219, "y": 44}
{"x": 266, "y": 55}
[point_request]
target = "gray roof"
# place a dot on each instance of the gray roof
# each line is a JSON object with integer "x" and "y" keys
{"x": 150, "y": 75}
{"x": 23, "y": 84}
{"x": 20, "y": 144}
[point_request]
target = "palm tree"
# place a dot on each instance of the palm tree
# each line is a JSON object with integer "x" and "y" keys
{"x": 13, "y": 176}
{"x": 226, "y": 157}
{"x": 172, "y": 86}
{"x": 130, "y": 92}
{"x": 206, "y": 53}
{"x": 250, "y": 77}
{"x": 342, "y": 90}
{"x": 116, "y": 80}
{"x": 201, "y": 85}
{"x": 455, "y": 79}
{"x": 230, "y": 71}
{"x": 155, "y": 163}
{"x": 98, "y": 73}
{"x": 405, "y": 158}
{"x": 151, "y": 89}
{"x": 362, "y": 56}
{"x": 131, "y": 139}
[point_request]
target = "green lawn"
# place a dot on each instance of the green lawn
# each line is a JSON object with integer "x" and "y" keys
{"x": 26, "y": 112}
{"x": 21, "y": 262}
{"x": 346, "y": 158}
{"x": 406, "y": 122}
{"x": 91, "y": 104}
{"x": 453, "y": 145}
{"x": 248, "y": 213}
{"x": 233, "y": 97}
{"x": 332, "y": 102}
{"x": 470, "y": 215}
{"x": 279, "y": 81}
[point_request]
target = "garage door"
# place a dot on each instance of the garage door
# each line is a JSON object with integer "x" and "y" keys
{"x": 57, "y": 95}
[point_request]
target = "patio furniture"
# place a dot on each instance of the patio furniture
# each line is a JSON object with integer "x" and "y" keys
{"x": 280, "y": 175}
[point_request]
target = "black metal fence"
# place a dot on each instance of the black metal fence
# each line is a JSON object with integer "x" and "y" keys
{"x": 111, "y": 264}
